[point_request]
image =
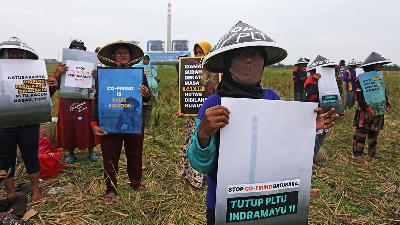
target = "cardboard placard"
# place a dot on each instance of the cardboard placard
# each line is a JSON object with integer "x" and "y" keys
{"x": 75, "y": 91}
{"x": 24, "y": 93}
{"x": 359, "y": 71}
{"x": 373, "y": 86}
{"x": 195, "y": 85}
{"x": 329, "y": 95}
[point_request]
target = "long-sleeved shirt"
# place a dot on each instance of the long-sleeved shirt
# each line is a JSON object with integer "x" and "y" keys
{"x": 339, "y": 71}
{"x": 311, "y": 89}
{"x": 205, "y": 160}
{"x": 350, "y": 77}
{"x": 299, "y": 77}
{"x": 150, "y": 72}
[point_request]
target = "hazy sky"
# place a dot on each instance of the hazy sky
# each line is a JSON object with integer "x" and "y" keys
{"x": 335, "y": 29}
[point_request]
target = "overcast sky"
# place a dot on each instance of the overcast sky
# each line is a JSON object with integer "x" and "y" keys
{"x": 335, "y": 29}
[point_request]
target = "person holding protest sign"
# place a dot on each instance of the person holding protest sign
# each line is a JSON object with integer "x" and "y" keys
{"x": 241, "y": 60}
{"x": 121, "y": 54}
{"x": 25, "y": 137}
{"x": 177, "y": 71}
{"x": 350, "y": 77}
{"x": 339, "y": 71}
{"x": 193, "y": 177}
{"x": 299, "y": 77}
{"x": 373, "y": 103}
{"x": 151, "y": 74}
{"x": 312, "y": 95}
{"x": 73, "y": 126}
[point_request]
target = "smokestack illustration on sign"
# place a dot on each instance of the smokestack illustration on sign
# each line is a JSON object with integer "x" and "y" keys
{"x": 169, "y": 43}
{"x": 253, "y": 150}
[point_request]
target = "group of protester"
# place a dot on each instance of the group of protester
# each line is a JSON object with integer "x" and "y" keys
{"x": 242, "y": 66}
{"x": 77, "y": 126}
{"x": 367, "y": 124}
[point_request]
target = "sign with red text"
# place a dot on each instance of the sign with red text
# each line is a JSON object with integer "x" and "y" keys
{"x": 263, "y": 176}
{"x": 79, "y": 74}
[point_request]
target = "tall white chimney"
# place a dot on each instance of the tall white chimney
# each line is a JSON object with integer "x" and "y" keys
{"x": 169, "y": 43}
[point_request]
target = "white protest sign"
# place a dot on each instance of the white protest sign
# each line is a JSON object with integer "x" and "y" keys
{"x": 78, "y": 92}
{"x": 79, "y": 74}
{"x": 327, "y": 83}
{"x": 329, "y": 95}
{"x": 265, "y": 162}
{"x": 359, "y": 71}
{"x": 24, "y": 94}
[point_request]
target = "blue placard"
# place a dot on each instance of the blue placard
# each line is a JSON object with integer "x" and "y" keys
{"x": 373, "y": 86}
{"x": 120, "y": 100}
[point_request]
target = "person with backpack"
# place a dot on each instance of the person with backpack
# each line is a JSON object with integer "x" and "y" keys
{"x": 369, "y": 117}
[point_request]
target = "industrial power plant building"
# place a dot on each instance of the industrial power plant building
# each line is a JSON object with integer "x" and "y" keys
{"x": 156, "y": 48}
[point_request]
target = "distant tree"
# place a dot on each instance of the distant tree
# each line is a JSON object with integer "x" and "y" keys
{"x": 392, "y": 67}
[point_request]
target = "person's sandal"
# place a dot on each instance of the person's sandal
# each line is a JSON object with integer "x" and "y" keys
{"x": 70, "y": 159}
{"x": 109, "y": 198}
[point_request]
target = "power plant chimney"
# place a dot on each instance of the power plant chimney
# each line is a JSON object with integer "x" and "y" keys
{"x": 169, "y": 43}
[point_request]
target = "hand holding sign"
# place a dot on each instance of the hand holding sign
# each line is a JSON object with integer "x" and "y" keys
{"x": 52, "y": 82}
{"x": 370, "y": 113}
{"x": 62, "y": 68}
{"x": 145, "y": 91}
{"x": 214, "y": 119}
{"x": 98, "y": 131}
{"x": 94, "y": 74}
{"x": 316, "y": 77}
{"x": 325, "y": 120}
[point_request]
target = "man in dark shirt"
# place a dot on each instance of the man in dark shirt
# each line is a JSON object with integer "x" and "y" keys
{"x": 299, "y": 77}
